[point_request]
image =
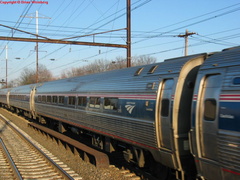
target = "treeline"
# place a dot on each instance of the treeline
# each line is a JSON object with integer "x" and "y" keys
{"x": 28, "y": 76}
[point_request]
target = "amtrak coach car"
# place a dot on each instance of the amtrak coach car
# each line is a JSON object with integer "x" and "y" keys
{"x": 215, "y": 123}
{"x": 181, "y": 115}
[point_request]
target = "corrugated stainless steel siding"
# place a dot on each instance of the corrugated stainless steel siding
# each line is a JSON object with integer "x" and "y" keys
{"x": 223, "y": 59}
{"x": 231, "y": 73}
{"x": 20, "y": 104}
{"x": 134, "y": 130}
{"x": 228, "y": 151}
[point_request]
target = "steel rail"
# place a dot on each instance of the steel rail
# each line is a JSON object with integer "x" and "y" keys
{"x": 14, "y": 168}
{"x": 46, "y": 157}
{"x": 101, "y": 159}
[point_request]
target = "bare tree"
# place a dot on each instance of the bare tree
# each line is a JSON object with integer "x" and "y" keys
{"x": 142, "y": 60}
{"x": 13, "y": 83}
{"x": 28, "y": 76}
{"x": 102, "y": 65}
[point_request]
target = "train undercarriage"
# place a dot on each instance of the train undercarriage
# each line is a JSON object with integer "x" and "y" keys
{"x": 132, "y": 155}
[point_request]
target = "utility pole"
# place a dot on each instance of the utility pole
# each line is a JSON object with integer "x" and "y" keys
{"x": 186, "y": 40}
{"x": 36, "y": 48}
{"x": 6, "y": 58}
{"x": 128, "y": 33}
{"x": 6, "y": 65}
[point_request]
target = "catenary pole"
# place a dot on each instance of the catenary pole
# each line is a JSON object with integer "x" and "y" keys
{"x": 36, "y": 47}
{"x": 128, "y": 33}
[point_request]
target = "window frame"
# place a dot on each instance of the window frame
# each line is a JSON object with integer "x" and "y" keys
{"x": 44, "y": 99}
{"x": 95, "y": 102}
{"x": 54, "y": 99}
{"x": 81, "y": 101}
{"x": 115, "y": 107}
{"x": 49, "y": 99}
{"x": 71, "y": 100}
{"x": 61, "y": 100}
{"x": 209, "y": 115}
{"x": 165, "y": 107}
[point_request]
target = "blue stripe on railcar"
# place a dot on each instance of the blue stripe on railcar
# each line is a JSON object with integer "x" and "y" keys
{"x": 229, "y": 116}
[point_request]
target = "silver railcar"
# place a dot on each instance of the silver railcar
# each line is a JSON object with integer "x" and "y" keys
{"x": 180, "y": 113}
{"x": 215, "y": 129}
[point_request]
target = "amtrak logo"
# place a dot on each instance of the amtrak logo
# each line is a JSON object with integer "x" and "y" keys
{"x": 129, "y": 108}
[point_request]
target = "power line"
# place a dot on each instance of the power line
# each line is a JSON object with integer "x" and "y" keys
{"x": 197, "y": 22}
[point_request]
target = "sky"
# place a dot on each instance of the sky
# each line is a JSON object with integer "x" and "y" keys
{"x": 155, "y": 26}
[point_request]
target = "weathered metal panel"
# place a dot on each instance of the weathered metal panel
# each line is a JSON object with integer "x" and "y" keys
{"x": 127, "y": 129}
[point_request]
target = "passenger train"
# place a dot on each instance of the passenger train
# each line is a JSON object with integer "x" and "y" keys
{"x": 181, "y": 115}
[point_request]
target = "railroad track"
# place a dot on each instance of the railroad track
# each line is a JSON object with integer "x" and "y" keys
{"x": 26, "y": 158}
{"x": 8, "y": 170}
{"x": 100, "y": 159}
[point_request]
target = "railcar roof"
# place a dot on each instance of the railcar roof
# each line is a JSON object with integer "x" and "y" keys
{"x": 228, "y": 57}
{"x": 116, "y": 80}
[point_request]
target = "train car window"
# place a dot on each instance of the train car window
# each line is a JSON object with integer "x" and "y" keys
{"x": 138, "y": 72}
{"x": 54, "y": 99}
{"x": 95, "y": 102}
{"x": 61, "y": 99}
{"x": 39, "y": 99}
{"x": 82, "y": 101}
{"x": 236, "y": 81}
{"x": 44, "y": 98}
{"x": 210, "y": 108}
{"x": 71, "y": 100}
{"x": 20, "y": 97}
{"x": 49, "y": 99}
{"x": 152, "y": 69}
{"x": 165, "y": 107}
{"x": 111, "y": 103}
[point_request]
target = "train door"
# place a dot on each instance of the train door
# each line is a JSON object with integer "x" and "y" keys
{"x": 208, "y": 122}
{"x": 165, "y": 113}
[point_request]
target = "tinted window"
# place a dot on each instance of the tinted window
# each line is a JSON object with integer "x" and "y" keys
{"x": 54, "y": 99}
{"x": 44, "y": 98}
{"x": 153, "y": 68}
{"x": 138, "y": 72}
{"x": 94, "y": 102}
{"x": 82, "y": 101}
{"x": 71, "y": 100}
{"x": 111, "y": 103}
{"x": 165, "y": 107}
{"x": 210, "y": 109}
{"x": 39, "y": 98}
{"x": 61, "y": 99}
{"x": 49, "y": 99}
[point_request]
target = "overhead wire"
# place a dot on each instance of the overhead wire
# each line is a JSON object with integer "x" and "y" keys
{"x": 19, "y": 21}
{"x": 194, "y": 23}
{"x": 17, "y": 24}
{"x": 164, "y": 33}
{"x": 146, "y": 1}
